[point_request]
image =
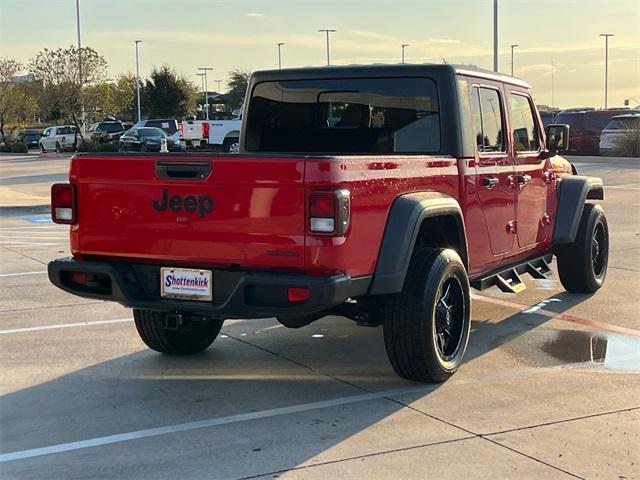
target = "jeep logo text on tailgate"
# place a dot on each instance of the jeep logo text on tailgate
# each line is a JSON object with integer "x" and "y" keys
{"x": 202, "y": 204}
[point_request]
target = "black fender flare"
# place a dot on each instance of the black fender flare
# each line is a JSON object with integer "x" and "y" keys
{"x": 573, "y": 192}
{"x": 401, "y": 232}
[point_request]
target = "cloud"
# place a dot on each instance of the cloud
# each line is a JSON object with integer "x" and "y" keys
{"x": 255, "y": 15}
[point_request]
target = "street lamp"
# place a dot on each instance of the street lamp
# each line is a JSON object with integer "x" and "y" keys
{"x": 201, "y": 75}
{"x": 495, "y": 35}
{"x": 606, "y": 65}
{"x": 512, "y": 48}
{"x": 327, "y": 31}
{"x": 138, "y": 78}
{"x": 404, "y": 45}
{"x": 206, "y": 88}
{"x": 280, "y": 44}
{"x": 219, "y": 87}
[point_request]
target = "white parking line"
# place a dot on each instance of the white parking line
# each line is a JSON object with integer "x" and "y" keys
{"x": 212, "y": 422}
{"x": 22, "y": 273}
{"x": 64, "y": 325}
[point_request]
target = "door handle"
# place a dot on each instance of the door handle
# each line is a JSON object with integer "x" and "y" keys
{"x": 523, "y": 179}
{"x": 490, "y": 182}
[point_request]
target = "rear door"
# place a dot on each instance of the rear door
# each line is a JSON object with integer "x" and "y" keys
{"x": 530, "y": 183}
{"x": 495, "y": 166}
{"x": 236, "y": 211}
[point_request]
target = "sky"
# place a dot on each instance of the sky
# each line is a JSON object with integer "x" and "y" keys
{"x": 242, "y": 34}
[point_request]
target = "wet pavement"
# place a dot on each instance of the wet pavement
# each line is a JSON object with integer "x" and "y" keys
{"x": 550, "y": 387}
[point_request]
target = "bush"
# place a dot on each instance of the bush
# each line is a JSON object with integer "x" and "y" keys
{"x": 627, "y": 144}
{"x": 93, "y": 146}
{"x": 14, "y": 147}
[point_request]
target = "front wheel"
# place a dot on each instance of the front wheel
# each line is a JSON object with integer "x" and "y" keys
{"x": 426, "y": 326}
{"x": 195, "y": 335}
{"x": 582, "y": 265}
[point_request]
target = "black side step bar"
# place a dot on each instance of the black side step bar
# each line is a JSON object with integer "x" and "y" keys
{"x": 508, "y": 280}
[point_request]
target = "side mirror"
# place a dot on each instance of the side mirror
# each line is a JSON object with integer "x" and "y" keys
{"x": 557, "y": 138}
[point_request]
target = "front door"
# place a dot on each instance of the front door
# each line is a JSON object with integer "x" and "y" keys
{"x": 533, "y": 223}
{"x": 495, "y": 167}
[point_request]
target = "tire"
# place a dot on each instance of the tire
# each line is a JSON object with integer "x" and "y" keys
{"x": 58, "y": 149}
{"x": 423, "y": 342}
{"x": 42, "y": 150}
{"x": 230, "y": 145}
{"x": 191, "y": 338}
{"x": 582, "y": 265}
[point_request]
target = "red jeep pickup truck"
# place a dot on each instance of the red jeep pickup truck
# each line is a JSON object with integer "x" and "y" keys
{"x": 378, "y": 193}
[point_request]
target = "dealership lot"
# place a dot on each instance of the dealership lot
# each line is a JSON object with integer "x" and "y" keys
{"x": 550, "y": 387}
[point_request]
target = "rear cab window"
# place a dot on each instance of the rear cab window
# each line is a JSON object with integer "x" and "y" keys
{"x": 356, "y": 115}
{"x": 488, "y": 120}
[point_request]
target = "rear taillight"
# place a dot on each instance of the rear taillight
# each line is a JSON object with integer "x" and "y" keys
{"x": 205, "y": 130}
{"x": 329, "y": 212}
{"x": 63, "y": 203}
{"x": 181, "y": 129}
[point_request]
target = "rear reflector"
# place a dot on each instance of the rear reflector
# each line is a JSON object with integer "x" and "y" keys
{"x": 298, "y": 294}
{"x": 79, "y": 277}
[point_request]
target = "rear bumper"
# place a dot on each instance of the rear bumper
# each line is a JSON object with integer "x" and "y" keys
{"x": 235, "y": 294}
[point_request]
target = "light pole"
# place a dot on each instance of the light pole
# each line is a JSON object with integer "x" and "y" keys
{"x": 219, "y": 87}
{"x": 201, "y": 75}
{"x": 512, "y": 48}
{"x": 606, "y": 65}
{"x": 206, "y": 88}
{"x": 280, "y": 44}
{"x": 138, "y": 78}
{"x": 327, "y": 31}
{"x": 80, "y": 65}
{"x": 404, "y": 45}
{"x": 552, "y": 72}
{"x": 495, "y": 35}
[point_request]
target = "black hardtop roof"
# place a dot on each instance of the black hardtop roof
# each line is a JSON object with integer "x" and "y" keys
{"x": 383, "y": 70}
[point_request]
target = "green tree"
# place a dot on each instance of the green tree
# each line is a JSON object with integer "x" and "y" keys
{"x": 63, "y": 73}
{"x": 125, "y": 96}
{"x": 238, "y": 83}
{"x": 18, "y": 103}
{"x": 168, "y": 94}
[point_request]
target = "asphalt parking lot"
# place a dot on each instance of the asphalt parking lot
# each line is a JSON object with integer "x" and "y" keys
{"x": 550, "y": 387}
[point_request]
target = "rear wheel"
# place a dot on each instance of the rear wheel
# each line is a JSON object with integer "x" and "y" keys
{"x": 231, "y": 145}
{"x": 582, "y": 265}
{"x": 58, "y": 148}
{"x": 426, "y": 326}
{"x": 195, "y": 335}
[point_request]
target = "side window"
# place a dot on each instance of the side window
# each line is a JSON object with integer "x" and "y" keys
{"x": 488, "y": 123}
{"x": 525, "y": 128}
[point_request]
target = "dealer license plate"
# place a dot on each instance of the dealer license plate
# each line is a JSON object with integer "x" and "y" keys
{"x": 186, "y": 284}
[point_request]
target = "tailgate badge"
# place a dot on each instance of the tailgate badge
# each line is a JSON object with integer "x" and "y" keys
{"x": 203, "y": 204}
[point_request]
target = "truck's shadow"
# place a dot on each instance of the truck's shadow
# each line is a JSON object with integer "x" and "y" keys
{"x": 262, "y": 367}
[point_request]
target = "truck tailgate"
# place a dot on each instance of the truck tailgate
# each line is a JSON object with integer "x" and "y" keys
{"x": 201, "y": 210}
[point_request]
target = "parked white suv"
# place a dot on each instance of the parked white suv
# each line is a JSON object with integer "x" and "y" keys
{"x": 616, "y": 131}
{"x": 58, "y": 139}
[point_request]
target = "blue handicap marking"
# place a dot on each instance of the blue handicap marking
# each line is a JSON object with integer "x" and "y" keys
{"x": 44, "y": 218}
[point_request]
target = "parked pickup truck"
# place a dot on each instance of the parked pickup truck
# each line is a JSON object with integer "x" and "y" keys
{"x": 378, "y": 193}
{"x": 223, "y": 134}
